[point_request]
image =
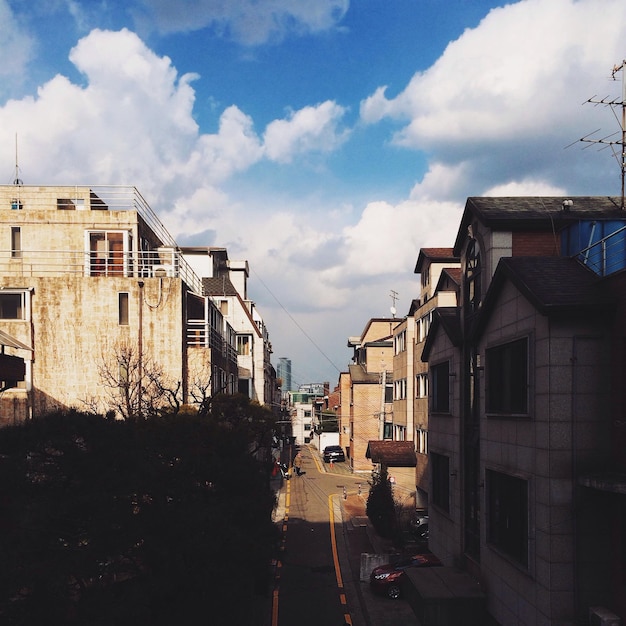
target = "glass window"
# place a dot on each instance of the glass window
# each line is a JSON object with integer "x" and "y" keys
{"x": 13, "y": 305}
{"x": 507, "y": 377}
{"x": 440, "y": 473}
{"x": 243, "y": 345}
{"x": 123, "y": 309}
{"x": 440, "y": 387}
{"x": 16, "y": 242}
{"x": 507, "y": 514}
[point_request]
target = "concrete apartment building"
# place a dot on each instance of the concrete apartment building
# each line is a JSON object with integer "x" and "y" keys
{"x": 95, "y": 297}
{"x": 369, "y": 387}
{"x": 526, "y": 416}
{"x": 225, "y": 282}
{"x": 439, "y": 272}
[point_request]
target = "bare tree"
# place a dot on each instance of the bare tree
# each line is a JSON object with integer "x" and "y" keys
{"x": 137, "y": 388}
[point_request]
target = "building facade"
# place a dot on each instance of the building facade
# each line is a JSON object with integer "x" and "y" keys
{"x": 525, "y": 407}
{"x": 103, "y": 307}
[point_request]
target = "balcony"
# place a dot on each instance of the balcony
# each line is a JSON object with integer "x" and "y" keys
{"x": 52, "y": 264}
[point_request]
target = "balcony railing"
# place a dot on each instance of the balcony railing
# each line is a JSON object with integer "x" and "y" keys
{"x": 606, "y": 256}
{"x": 51, "y": 263}
{"x": 200, "y": 333}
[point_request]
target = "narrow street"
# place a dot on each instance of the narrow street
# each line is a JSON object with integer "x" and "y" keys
{"x": 310, "y": 587}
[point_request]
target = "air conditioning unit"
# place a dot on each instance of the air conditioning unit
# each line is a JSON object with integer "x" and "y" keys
{"x": 599, "y": 616}
{"x": 162, "y": 270}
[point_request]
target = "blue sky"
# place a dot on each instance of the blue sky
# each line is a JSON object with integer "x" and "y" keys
{"x": 324, "y": 141}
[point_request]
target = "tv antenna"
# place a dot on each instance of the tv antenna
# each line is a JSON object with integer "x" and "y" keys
{"x": 394, "y": 296}
{"x": 17, "y": 180}
{"x": 615, "y": 141}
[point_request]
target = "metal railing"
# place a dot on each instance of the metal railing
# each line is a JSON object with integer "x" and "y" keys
{"x": 200, "y": 333}
{"x": 606, "y": 256}
{"x": 52, "y": 263}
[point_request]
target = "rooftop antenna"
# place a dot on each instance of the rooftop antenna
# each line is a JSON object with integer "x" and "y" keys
{"x": 17, "y": 180}
{"x": 618, "y": 138}
{"x": 394, "y": 296}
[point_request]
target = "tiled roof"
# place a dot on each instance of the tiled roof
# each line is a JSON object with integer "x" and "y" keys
{"x": 534, "y": 212}
{"x": 446, "y": 318}
{"x": 392, "y": 453}
{"x": 551, "y": 284}
{"x": 359, "y": 375}
{"x": 220, "y": 286}
{"x": 435, "y": 255}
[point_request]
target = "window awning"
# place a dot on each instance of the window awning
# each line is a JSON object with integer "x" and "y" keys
{"x": 11, "y": 342}
{"x": 392, "y": 453}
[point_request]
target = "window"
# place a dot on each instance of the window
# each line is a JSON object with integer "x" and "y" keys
{"x": 123, "y": 309}
{"x": 421, "y": 440}
{"x": 400, "y": 389}
{"x": 473, "y": 281}
{"x": 307, "y": 413}
{"x": 224, "y": 307}
{"x": 440, "y": 472}
{"x": 107, "y": 252}
{"x": 16, "y": 242}
{"x": 507, "y": 377}
{"x": 507, "y": 515}
{"x": 440, "y": 387}
{"x": 14, "y": 305}
{"x": 16, "y": 205}
{"x": 400, "y": 342}
{"x": 243, "y": 345}
{"x": 389, "y": 392}
{"x": 421, "y": 386}
{"x": 388, "y": 430}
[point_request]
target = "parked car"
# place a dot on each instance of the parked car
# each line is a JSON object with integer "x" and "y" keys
{"x": 387, "y": 579}
{"x": 333, "y": 453}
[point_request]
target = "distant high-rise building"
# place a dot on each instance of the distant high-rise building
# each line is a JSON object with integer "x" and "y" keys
{"x": 283, "y": 371}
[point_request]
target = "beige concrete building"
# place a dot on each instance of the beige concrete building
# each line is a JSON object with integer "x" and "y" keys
{"x": 97, "y": 300}
{"x": 439, "y": 284}
{"x": 370, "y": 389}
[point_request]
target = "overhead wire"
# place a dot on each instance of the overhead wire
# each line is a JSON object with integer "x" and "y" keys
{"x": 291, "y": 317}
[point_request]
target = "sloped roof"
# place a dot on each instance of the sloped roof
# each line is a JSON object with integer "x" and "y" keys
{"x": 218, "y": 286}
{"x": 7, "y": 340}
{"x": 392, "y": 453}
{"x": 551, "y": 284}
{"x": 451, "y": 273}
{"x": 435, "y": 255}
{"x": 534, "y": 213}
{"x": 448, "y": 320}
{"x": 359, "y": 375}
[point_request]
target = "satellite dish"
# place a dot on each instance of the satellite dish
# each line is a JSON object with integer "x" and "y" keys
{"x": 393, "y": 310}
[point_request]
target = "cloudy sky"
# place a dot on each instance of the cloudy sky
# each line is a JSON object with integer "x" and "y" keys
{"x": 325, "y": 141}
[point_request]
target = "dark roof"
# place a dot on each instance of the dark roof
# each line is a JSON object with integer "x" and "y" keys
{"x": 448, "y": 319}
{"x": 453, "y": 274}
{"x": 534, "y": 213}
{"x": 435, "y": 255}
{"x": 551, "y": 284}
{"x": 218, "y": 286}
{"x": 359, "y": 375}
{"x": 392, "y": 453}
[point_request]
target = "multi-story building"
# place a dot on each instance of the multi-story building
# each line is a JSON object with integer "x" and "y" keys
{"x": 283, "y": 371}
{"x": 225, "y": 282}
{"x": 526, "y": 415}
{"x": 98, "y": 302}
{"x": 369, "y": 385}
{"x": 439, "y": 280}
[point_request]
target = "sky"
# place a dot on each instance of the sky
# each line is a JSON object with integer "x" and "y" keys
{"x": 324, "y": 141}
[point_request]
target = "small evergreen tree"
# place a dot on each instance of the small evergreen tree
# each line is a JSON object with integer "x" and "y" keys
{"x": 381, "y": 508}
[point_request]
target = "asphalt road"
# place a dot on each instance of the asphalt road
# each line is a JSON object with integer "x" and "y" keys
{"x": 310, "y": 588}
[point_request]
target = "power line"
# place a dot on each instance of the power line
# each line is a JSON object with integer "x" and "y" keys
{"x": 280, "y": 304}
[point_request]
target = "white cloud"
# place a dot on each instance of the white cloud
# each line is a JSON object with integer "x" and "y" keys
{"x": 311, "y": 128}
{"x": 250, "y": 22}
{"x": 514, "y": 73}
{"x": 16, "y": 43}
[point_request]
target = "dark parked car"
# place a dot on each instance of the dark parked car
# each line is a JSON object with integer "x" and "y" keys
{"x": 333, "y": 453}
{"x": 387, "y": 579}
